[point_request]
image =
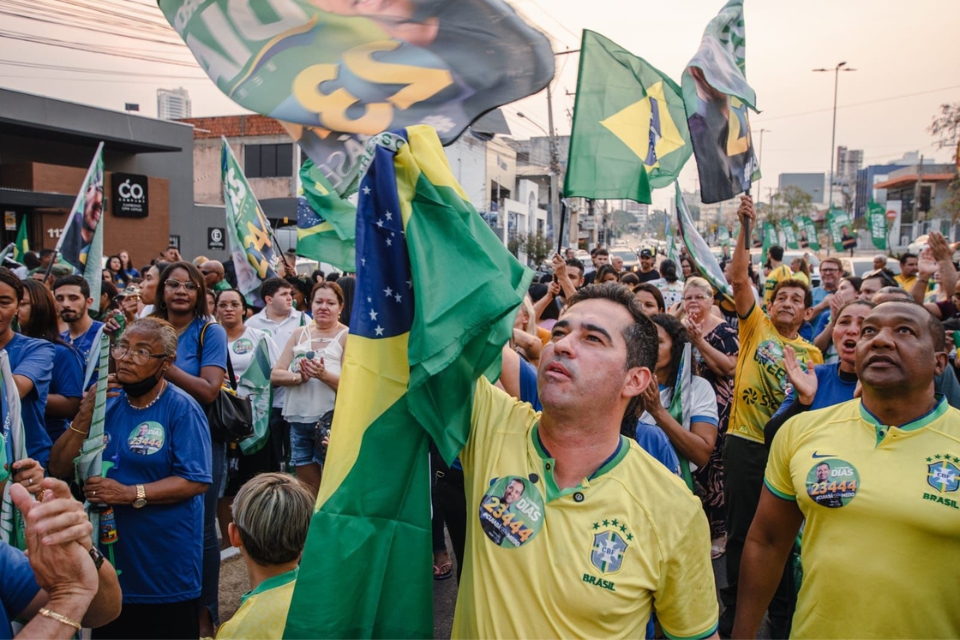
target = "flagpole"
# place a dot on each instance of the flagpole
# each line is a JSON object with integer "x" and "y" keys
{"x": 563, "y": 217}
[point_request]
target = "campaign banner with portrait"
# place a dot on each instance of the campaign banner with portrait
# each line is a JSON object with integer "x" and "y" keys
{"x": 789, "y": 234}
{"x": 878, "y": 225}
{"x": 81, "y": 242}
{"x": 808, "y": 234}
{"x": 336, "y": 71}
{"x": 717, "y": 98}
{"x": 841, "y": 234}
{"x": 248, "y": 229}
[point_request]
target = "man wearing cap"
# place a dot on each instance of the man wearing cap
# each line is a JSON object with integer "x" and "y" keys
{"x": 647, "y": 273}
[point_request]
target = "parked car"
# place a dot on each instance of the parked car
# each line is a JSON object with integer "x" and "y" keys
{"x": 859, "y": 265}
{"x": 629, "y": 257}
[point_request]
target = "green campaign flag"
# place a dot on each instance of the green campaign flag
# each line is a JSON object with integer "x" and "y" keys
{"x": 248, "y": 230}
{"x": 81, "y": 242}
{"x": 335, "y": 73}
{"x": 878, "y": 225}
{"x": 326, "y": 223}
{"x": 703, "y": 259}
{"x": 629, "y": 127}
{"x": 769, "y": 239}
{"x": 808, "y": 234}
{"x": 255, "y": 385}
{"x": 14, "y": 445}
{"x": 840, "y": 234}
{"x": 419, "y": 341}
{"x": 789, "y": 233}
{"x": 89, "y": 463}
{"x": 723, "y": 235}
{"x": 21, "y": 245}
{"x": 717, "y": 99}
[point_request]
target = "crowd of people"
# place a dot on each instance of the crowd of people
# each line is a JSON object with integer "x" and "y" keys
{"x": 806, "y": 438}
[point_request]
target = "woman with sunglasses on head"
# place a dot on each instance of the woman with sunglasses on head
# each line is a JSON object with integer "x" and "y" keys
{"x": 199, "y": 369}
{"x": 158, "y": 445}
{"x": 715, "y": 348}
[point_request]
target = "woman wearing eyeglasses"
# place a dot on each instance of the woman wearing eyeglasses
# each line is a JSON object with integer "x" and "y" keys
{"x": 199, "y": 370}
{"x": 157, "y": 444}
{"x": 716, "y": 347}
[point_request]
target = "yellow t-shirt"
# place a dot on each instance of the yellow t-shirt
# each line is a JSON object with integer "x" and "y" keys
{"x": 761, "y": 383}
{"x": 905, "y": 283}
{"x": 263, "y": 611}
{"x": 589, "y": 561}
{"x": 783, "y": 272}
{"x": 881, "y": 544}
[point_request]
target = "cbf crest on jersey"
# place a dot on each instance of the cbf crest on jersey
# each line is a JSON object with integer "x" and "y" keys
{"x": 608, "y": 550}
{"x": 943, "y": 475}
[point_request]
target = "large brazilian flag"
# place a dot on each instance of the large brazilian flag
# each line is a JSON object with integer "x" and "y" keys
{"x": 419, "y": 340}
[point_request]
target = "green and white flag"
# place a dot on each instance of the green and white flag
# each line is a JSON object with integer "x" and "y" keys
{"x": 789, "y": 233}
{"x": 703, "y": 259}
{"x": 840, "y": 234}
{"x": 723, "y": 235}
{"x": 769, "y": 239}
{"x": 81, "y": 242}
{"x": 14, "y": 445}
{"x": 89, "y": 464}
{"x": 878, "y": 225}
{"x": 808, "y": 234}
{"x": 255, "y": 385}
{"x": 248, "y": 229}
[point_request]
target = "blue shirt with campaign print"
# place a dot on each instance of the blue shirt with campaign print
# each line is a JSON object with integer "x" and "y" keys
{"x": 33, "y": 359}
{"x": 159, "y": 547}
{"x": 67, "y": 381}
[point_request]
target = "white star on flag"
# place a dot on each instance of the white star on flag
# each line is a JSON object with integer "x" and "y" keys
{"x": 398, "y": 297}
{"x": 388, "y": 291}
{"x": 373, "y": 314}
{"x": 380, "y": 223}
{"x": 366, "y": 191}
{"x": 389, "y": 216}
{"x": 379, "y": 330}
{"x": 389, "y": 242}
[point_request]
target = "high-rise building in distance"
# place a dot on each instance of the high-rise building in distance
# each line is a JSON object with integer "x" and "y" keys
{"x": 173, "y": 104}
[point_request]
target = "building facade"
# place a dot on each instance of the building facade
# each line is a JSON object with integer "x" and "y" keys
{"x": 173, "y": 104}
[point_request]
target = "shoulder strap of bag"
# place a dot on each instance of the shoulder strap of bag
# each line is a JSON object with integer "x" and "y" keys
{"x": 231, "y": 376}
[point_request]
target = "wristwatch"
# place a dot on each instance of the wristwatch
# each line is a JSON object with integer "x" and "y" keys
{"x": 96, "y": 556}
{"x": 141, "y": 500}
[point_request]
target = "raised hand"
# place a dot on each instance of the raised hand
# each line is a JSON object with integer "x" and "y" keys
{"x": 804, "y": 382}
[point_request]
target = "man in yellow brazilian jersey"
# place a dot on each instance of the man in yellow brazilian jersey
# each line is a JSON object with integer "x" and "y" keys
{"x": 881, "y": 542}
{"x": 778, "y": 273}
{"x": 573, "y": 530}
{"x": 760, "y": 385}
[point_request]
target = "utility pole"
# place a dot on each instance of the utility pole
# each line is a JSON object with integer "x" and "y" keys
{"x": 918, "y": 192}
{"x": 554, "y": 169}
{"x": 833, "y": 135}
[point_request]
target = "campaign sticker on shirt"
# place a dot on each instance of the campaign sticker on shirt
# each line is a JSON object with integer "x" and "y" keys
{"x": 242, "y": 346}
{"x": 146, "y": 439}
{"x": 833, "y": 483}
{"x": 511, "y": 512}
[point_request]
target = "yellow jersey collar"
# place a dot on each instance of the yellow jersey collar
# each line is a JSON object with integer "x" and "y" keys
{"x": 549, "y": 464}
{"x": 929, "y": 417}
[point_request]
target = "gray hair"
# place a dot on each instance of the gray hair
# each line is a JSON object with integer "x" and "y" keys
{"x": 159, "y": 329}
{"x": 698, "y": 283}
{"x": 272, "y": 512}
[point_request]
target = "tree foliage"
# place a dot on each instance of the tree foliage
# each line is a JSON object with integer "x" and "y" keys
{"x": 945, "y": 127}
{"x": 790, "y": 203}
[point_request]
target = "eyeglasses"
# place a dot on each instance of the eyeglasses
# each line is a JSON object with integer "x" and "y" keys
{"x": 829, "y": 270}
{"x": 137, "y": 356}
{"x": 173, "y": 285}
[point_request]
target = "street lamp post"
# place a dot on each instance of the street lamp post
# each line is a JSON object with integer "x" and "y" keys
{"x": 833, "y": 135}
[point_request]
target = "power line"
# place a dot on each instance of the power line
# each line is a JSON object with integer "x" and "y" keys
{"x": 856, "y": 104}
{"x": 57, "y": 67}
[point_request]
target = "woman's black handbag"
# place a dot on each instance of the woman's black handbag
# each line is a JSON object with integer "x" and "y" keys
{"x": 230, "y": 416}
{"x": 321, "y": 431}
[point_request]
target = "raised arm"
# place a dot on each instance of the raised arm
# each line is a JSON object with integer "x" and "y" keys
{"x": 740, "y": 269}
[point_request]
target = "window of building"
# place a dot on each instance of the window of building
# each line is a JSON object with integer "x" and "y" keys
{"x": 268, "y": 160}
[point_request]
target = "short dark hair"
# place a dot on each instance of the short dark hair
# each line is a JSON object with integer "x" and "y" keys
{"x": 790, "y": 283}
{"x": 652, "y": 290}
{"x": 574, "y": 262}
{"x": 243, "y": 299}
{"x": 776, "y": 252}
{"x": 10, "y": 279}
{"x": 74, "y": 281}
{"x": 46, "y": 252}
{"x": 678, "y": 336}
{"x": 602, "y": 252}
{"x": 641, "y": 335}
{"x": 885, "y": 275}
{"x": 630, "y": 279}
{"x": 270, "y": 287}
{"x": 905, "y": 257}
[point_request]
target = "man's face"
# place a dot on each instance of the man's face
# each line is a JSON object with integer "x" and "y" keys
{"x": 569, "y": 254}
{"x": 896, "y": 349}
{"x": 92, "y": 209}
{"x": 171, "y": 255}
{"x": 646, "y": 263}
{"x": 600, "y": 259}
{"x": 211, "y": 275}
{"x": 829, "y": 275}
{"x": 878, "y": 263}
{"x": 823, "y": 472}
{"x": 617, "y": 263}
{"x": 869, "y": 287}
{"x": 282, "y": 301}
{"x": 584, "y": 364}
{"x": 909, "y": 268}
{"x": 787, "y": 310}
{"x": 513, "y": 492}
{"x": 8, "y": 306}
{"x": 576, "y": 277}
{"x": 71, "y": 305}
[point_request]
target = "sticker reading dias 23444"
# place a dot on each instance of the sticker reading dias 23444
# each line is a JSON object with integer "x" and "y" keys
{"x": 833, "y": 483}
{"x": 511, "y": 512}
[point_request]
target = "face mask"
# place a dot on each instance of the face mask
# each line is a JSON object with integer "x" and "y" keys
{"x": 141, "y": 387}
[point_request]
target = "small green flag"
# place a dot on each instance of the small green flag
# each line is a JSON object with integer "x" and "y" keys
{"x": 629, "y": 126}
{"x": 790, "y": 233}
{"x": 255, "y": 385}
{"x": 878, "y": 225}
{"x": 22, "y": 244}
{"x": 769, "y": 239}
{"x": 840, "y": 233}
{"x": 81, "y": 242}
{"x": 326, "y": 223}
{"x": 808, "y": 234}
{"x": 723, "y": 235}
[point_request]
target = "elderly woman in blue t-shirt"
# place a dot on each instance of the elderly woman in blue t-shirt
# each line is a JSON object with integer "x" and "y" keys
{"x": 157, "y": 462}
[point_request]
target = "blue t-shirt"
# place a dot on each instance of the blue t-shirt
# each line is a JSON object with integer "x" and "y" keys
{"x": 67, "y": 381}
{"x": 819, "y": 294}
{"x": 159, "y": 547}
{"x": 654, "y": 441}
{"x": 33, "y": 359}
{"x": 83, "y": 342}
{"x": 831, "y": 389}
{"x": 18, "y": 587}
{"x": 214, "y": 347}
{"x": 528, "y": 385}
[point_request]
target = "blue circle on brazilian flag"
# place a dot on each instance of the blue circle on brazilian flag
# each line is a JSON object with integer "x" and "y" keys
{"x": 833, "y": 483}
{"x": 511, "y": 512}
